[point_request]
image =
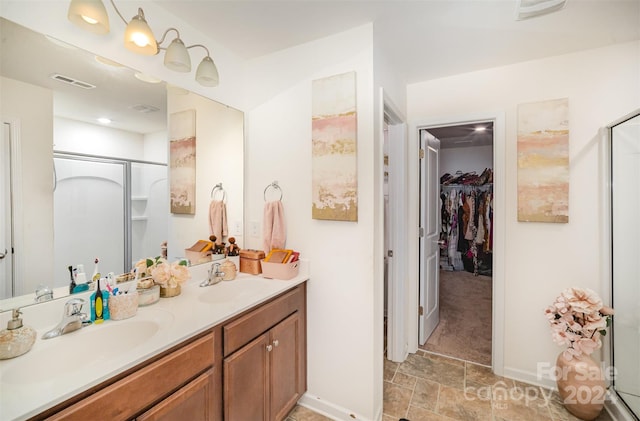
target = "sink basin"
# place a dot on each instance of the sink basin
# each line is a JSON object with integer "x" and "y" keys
{"x": 230, "y": 291}
{"x": 82, "y": 349}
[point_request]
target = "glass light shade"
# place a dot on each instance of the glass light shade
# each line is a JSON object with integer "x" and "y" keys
{"x": 139, "y": 38}
{"x": 89, "y": 15}
{"x": 177, "y": 57}
{"x": 207, "y": 73}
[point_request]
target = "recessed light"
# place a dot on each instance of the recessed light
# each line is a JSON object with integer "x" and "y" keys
{"x": 147, "y": 78}
{"x": 532, "y": 8}
{"x": 104, "y": 120}
{"x": 480, "y": 129}
{"x": 108, "y": 62}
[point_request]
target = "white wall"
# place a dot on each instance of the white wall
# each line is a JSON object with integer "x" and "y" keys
{"x": 543, "y": 259}
{"x": 93, "y": 139}
{"x": 466, "y": 159}
{"x": 156, "y": 147}
{"x": 219, "y": 159}
{"x": 32, "y": 109}
{"x": 344, "y": 353}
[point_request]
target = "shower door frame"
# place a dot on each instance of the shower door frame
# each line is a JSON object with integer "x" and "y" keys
{"x": 616, "y": 404}
{"x": 127, "y": 190}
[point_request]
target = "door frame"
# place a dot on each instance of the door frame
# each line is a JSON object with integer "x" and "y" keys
{"x": 499, "y": 223}
{"x": 16, "y": 197}
{"x": 397, "y": 312}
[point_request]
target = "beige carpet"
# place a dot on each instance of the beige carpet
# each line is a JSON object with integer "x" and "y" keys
{"x": 464, "y": 330}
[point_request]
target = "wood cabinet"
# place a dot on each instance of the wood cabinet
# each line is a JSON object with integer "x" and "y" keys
{"x": 250, "y": 368}
{"x": 191, "y": 402}
{"x": 183, "y": 379}
{"x": 264, "y": 378}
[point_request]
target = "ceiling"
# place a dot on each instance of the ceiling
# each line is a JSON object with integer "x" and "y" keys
{"x": 464, "y": 135}
{"x": 425, "y": 39}
{"x": 118, "y": 94}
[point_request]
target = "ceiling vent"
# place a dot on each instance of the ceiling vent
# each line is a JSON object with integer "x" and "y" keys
{"x": 531, "y": 8}
{"x": 71, "y": 81}
{"x": 143, "y": 108}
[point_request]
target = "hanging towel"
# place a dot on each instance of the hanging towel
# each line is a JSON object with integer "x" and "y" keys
{"x": 218, "y": 220}
{"x": 274, "y": 227}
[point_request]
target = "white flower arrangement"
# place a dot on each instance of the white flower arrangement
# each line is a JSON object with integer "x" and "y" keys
{"x": 165, "y": 274}
{"x": 578, "y": 319}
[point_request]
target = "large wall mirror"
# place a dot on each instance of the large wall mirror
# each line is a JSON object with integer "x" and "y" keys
{"x": 74, "y": 188}
{"x": 625, "y": 228}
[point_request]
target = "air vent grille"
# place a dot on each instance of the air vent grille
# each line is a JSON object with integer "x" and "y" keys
{"x": 71, "y": 81}
{"x": 143, "y": 108}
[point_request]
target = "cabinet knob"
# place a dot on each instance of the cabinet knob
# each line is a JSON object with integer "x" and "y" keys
{"x": 269, "y": 348}
{"x": 276, "y": 343}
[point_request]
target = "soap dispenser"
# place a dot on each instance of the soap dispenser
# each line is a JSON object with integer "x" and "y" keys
{"x": 16, "y": 339}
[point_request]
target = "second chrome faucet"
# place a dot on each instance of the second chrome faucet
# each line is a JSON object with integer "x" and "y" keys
{"x": 215, "y": 275}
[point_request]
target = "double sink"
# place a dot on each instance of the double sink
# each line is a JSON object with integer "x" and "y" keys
{"x": 61, "y": 367}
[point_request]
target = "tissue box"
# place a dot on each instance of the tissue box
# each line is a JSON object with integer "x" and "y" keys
{"x": 250, "y": 261}
{"x": 284, "y": 271}
{"x": 200, "y": 252}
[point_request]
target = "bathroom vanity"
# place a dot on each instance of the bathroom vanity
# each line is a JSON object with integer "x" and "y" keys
{"x": 231, "y": 351}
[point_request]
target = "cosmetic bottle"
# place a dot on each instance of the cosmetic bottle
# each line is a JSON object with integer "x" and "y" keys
{"x": 97, "y": 304}
{"x": 106, "y": 315}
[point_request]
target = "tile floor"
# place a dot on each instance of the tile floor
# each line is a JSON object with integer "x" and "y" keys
{"x": 430, "y": 387}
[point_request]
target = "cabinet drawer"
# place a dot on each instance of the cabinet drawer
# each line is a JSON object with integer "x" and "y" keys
{"x": 125, "y": 398}
{"x": 242, "y": 330}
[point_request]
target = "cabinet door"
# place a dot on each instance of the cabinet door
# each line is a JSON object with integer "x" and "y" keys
{"x": 246, "y": 384}
{"x": 193, "y": 401}
{"x": 285, "y": 363}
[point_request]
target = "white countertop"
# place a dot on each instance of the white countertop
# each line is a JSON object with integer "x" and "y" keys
{"x": 34, "y": 382}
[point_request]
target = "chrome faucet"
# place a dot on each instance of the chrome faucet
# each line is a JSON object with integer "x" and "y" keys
{"x": 214, "y": 276}
{"x": 72, "y": 319}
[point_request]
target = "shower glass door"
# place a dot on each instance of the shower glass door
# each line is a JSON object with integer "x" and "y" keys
{"x": 625, "y": 230}
{"x": 89, "y": 215}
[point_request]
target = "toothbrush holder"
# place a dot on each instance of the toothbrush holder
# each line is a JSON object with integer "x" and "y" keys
{"x": 123, "y": 306}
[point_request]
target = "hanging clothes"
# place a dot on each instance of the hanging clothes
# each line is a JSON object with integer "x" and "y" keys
{"x": 467, "y": 223}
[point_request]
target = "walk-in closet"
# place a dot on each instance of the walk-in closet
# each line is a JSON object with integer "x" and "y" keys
{"x": 465, "y": 241}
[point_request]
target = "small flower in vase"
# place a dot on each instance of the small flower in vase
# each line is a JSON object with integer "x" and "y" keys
{"x": 169, "y": 276}
{"x": 142, "y": 272}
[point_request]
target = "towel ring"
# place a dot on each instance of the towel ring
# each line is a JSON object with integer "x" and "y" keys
{"x": 218, "y": 188}
{"x": 274, "y": 186}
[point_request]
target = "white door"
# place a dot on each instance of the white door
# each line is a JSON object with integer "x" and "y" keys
{"x": 430, "y": 231}
{"x": 396, "y": 252}
{"x": 6, "y": 271}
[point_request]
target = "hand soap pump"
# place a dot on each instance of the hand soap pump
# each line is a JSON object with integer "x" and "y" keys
{"x": 16, "y": 339}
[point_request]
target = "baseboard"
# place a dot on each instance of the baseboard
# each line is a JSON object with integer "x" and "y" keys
{"x": 529, "y": 377}
{"x": 613, "y": 406}
{"x": 328, "y": 409}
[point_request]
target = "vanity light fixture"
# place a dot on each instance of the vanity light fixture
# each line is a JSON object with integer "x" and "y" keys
{"x": 90, "y": 15}
{"x": 138, "y": 38}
